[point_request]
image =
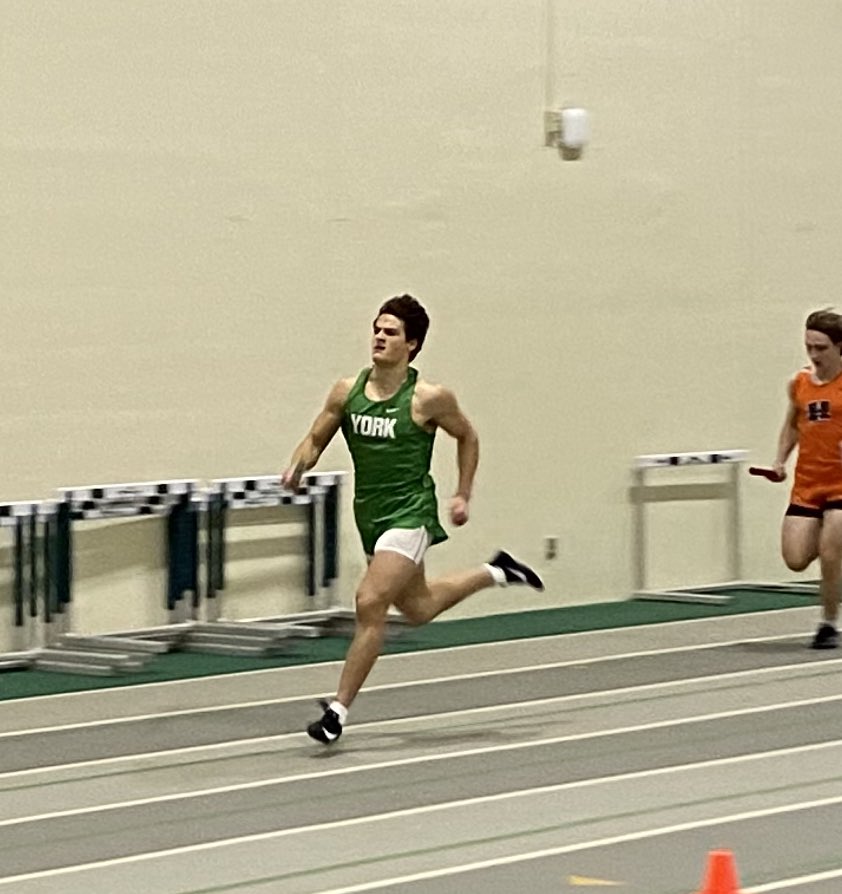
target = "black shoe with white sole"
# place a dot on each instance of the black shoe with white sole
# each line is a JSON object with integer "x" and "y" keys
{"x": 328, "y": 728}
{"x": 516, "y": 572}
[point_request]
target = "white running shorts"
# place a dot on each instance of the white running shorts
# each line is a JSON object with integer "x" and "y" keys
{"x": 410, "y": 542}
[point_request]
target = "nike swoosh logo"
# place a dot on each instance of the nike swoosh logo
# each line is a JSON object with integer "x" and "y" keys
{"x": 392, "y": 410}
{"x": 518, "y": 574}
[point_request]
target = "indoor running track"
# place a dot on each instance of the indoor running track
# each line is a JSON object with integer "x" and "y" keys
{"x": 615, "y": 758}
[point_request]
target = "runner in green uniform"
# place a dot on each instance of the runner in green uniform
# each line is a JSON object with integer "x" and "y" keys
{"x": 389, "y": 417}
{"x": 391, "y": 453}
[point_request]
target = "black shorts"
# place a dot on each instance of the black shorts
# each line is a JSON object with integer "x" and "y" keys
{"x": 812, "y": 511}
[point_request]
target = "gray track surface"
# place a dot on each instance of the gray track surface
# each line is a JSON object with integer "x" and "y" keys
{"x": 543, "y": 765}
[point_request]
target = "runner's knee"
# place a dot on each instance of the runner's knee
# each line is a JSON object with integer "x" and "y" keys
{"x": 799, "y": 553}
{"x": 796, "y": 562}
{"x": 371, "y": 604}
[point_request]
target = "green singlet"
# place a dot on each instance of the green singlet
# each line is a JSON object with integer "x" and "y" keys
{"x": 391, "y": 454}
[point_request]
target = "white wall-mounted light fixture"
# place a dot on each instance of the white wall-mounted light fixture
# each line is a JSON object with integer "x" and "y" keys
{"x": 568, "y": 130}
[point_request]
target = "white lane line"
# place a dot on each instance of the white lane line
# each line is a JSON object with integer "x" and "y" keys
{"x": 454, "y": 755}
{"x": 589, "y": 845}
{"x": 425, "y": 681}
{"x": 415, "y": 811}
{"x": 597, "y": 695}
{"x": 786, "y": 883}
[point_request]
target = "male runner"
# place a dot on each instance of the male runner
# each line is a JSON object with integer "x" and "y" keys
{"x": 812, "y": 526}
{"x": 389, "y": 417}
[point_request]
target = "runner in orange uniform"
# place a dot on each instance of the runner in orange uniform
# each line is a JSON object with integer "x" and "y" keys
{"x": 812, "y": 526}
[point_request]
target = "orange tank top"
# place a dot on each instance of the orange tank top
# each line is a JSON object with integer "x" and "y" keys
{"x": 819, "y": 429}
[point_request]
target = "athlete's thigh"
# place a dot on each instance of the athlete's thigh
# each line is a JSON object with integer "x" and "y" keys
{"x": 387, "y": 577}
{"x": 800, "y": 540}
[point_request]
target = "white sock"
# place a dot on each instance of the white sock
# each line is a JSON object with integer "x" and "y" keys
{"x": 340, "y": 710}
{"x": 497, "y": 573}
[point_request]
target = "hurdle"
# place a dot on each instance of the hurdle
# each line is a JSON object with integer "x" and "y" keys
{"x": 644, "y": 492}
{"x": 335, "y": 620}
{"x": 227, "y": 503}
{"x": 22, "y": 519}
{"x": 40, "y": 576}
{"x": 45, "y": 534}
{"x": 121, "y": 652}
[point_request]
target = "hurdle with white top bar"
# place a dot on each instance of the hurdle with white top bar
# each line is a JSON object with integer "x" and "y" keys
{"x": 228, "y": 502}
{"x": 644, "y": 492}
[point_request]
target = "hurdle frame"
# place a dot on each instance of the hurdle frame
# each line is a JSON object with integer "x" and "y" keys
{"x": 319, "y": 496}
{"x": 44, "y": 560}
{"x": 112, "y": 653}
{"x": 40, "y": 578}
{"x": 197, "y": 569}
{"x": 243, "y": 492}
{"x": 22, "y": 518}
{"x": 644, "y": 493}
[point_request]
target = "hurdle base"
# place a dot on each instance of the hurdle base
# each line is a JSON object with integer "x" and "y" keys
{"x": 75, "y": 641}
{"x": 89, "y": 661}
{"x": 251, "y": 639}
{"x": 17, "y": 660}
{"x": 339, "y": 622}
{"x": 60, "y": 665}
{"x": 266, "y": 637}
{"x": 126, "y": 652}
{"x": 680, "y": 596}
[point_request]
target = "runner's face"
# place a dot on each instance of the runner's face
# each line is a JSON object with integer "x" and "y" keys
{"x": 388, "y": 341}
{"x": 823, "y": 353}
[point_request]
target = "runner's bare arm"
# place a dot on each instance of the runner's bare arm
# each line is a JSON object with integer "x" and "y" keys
{"x": 321, "y": 432}
{"x": 788, "y": 437}
{"x": 439, "y": 407}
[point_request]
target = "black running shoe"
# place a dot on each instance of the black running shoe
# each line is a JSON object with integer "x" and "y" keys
{"x": 516, "y": 572}
{"x": 826, "y": 637}
{"x": 328, "y": 729}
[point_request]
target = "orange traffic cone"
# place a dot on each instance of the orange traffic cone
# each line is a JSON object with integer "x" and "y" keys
{"x": 721, "y": 874}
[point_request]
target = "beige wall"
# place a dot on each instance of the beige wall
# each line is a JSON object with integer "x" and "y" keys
{"x": 204, "y": 202}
